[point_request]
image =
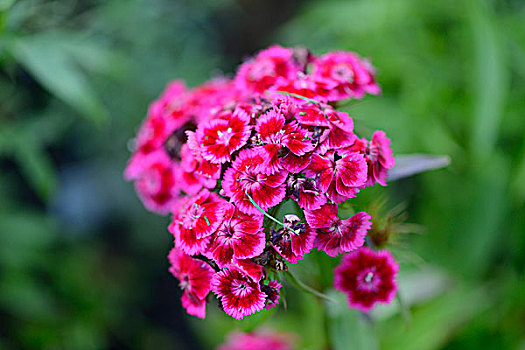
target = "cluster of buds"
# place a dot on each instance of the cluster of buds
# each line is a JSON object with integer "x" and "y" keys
{"x": 223, "y": 157}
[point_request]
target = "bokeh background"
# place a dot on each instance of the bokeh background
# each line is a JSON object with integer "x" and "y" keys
{"x": 83, "y": 264}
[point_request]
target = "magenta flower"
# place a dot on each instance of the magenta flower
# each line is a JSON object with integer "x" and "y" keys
{"x": 156, "y": 185}
{"x": 378, "y": 155}
{"x": 222, "y": 136}
{"x": 240, "y": 295}
{"x": 249, "y": 268}
{"x": 334, "y": 235}
{"x": 275, "y": 134}
{"x": 194, "y": 279}
{"x": 338, "y": 175}
{"x": 240, "y": 236}
{"x": 367, "y": 277}
{"x": 346, "y": 75}
{"x": 260, "y": 340}
{"x": 198, "y": 218}
{"x": 261, "y": 72}
{"x": 294, "y": 240}
{"x": 337, "y": 126}
{"x": 246, "y": 176}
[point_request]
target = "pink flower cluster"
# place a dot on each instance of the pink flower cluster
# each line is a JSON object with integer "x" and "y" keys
{"x": 265, "y": 339}
{"x": 222, "y": 156}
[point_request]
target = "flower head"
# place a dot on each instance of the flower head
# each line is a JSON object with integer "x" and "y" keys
{"x": 294, "y": 240}
{"x": 240, "y": 295}
{"x": 259, "y": 340}
{"x": 346, "y": 75}
{"x": 194, "y": 279}
{"x": 240, "y": 236}
{"x": 198, "y": 218}
{"x": 367, "y": 277}
{"x": 246, "y": 177}
{"x": 334, "y": 235}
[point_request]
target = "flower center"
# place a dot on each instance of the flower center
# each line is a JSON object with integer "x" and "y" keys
{"x": 240, "y": 288}
{"x": 261, "y": 69}
{"x": 190, "y": 217}
{"x": 343, "y": 72}
{"x": 184, "y": 282}
{"x": 224, "y": 137}
{"x": 368, "y": 280}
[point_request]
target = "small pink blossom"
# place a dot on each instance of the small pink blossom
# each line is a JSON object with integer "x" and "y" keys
{"x": 346, "y": 75}
{"x": 240, "y": 236}
{"x": 198, "y": 218}
{"x": 367, "y": 277}
{"x": 246, "y": 176}
{"x": 276, "y": 135}
{"x": 338, "y": 175}
{"x": 259, "y": 340}
{"x": 222, "y": 136}
{"x": 261, "y": 72}
{"x": 194, "y": 279}
{"x": 334, "y": 235}
{"x": 156, "y": 185}
{"x": 240, "y": 295}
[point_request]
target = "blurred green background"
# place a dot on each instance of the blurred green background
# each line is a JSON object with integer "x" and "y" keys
{"x": 83, "y": 264}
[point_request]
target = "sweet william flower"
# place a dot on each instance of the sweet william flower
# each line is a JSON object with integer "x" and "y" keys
{"x": 156, "y": 185}
{"x": 261, "y": 72}
{"x": 239, "y": 294}
{"x": 340, "y": 176}
{"x": 346, "y": 75}
{"x": 240, "y": 236}
{"x": 335, "y": 236}
{"x": 246, "y": 176}
{"x": 194, "y": 279}
{"x": 222, "y": 136}
{"x": 196, "y": 220}
{"x": 276, "y": 135}
{"x": 367, "y": 277}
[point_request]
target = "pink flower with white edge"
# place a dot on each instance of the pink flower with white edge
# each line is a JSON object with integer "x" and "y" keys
{"x": 367, "y": 277}
{"x": 378, "y": 155}
{"x": 245, "y": 176}
{"x": 261, "y": 72}
{"x": 198, "y": 218}
{"x": 337, "y": 127}
{"x": 240, "y": 295}
{"x": 340, "y": 176}
{"x": 156, "y": 185}
{"x": 240, "y": 236}
{"x": 276, "y": 135}
{"x": 346, "y": 75}
{"x": 335, "y": 236}
{"x": 194, "y": 279}
{"x": 222, "y": 136}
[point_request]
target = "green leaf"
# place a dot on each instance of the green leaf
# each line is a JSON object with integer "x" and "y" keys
{"x": 432, "y": 324}
{"x": 490, "y": 81}
{"x": 349, "y": 328}
{"x": 37, "y": 167}
{"x": 48, "y": 58}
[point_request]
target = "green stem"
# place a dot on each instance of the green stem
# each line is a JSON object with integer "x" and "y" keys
{"x": 262, "y": 211}
{"x": 307, "y": 288}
